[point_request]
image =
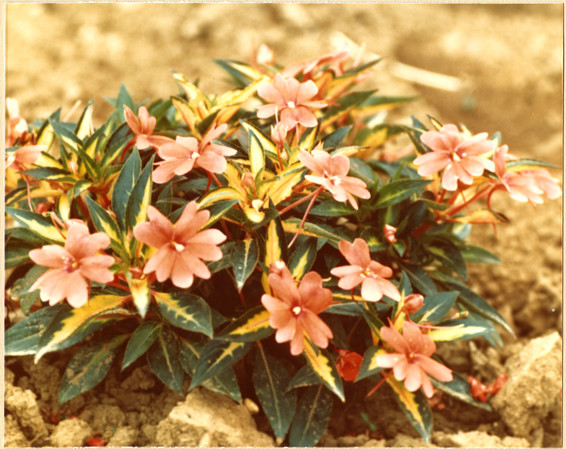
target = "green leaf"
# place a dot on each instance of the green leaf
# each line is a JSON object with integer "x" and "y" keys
{"x": 335, "y": 138}
{"x": 140, "y": 341}
{"x": 396, "y": 191}
{"x": 303, "y": 258}
{"x": 475, "y": 303}
{"x": 416, "y": 407}
{"x": 419, "y": 279}
{"x": 311, "y": 418}
{"x": 50, "y": 174}
{"x": 88, "y": 367}
{"x": 251, "y": 326}
{"x": 291, "y": 226}
{"x": 216, "y": 356}
{"x": 219, "y": 194}
{"x": 332, "y": 209}
{"x": 21, "y": 288}
{"x": 323, "y": 365}
{"x": 225, "y": 262}
{"x": 461, "y": 329}
{"x": 449, "y": 256}
{"x": 103, "y": 222}
{"x": 186, "y": 311}
{"x": 475, "y": 254}
{"x": 459, "y": 388}
{"x": 124, "y": 185}
{"x": 435, "y": 307}
{"x": 224, "y": 383}
{"x": 82, "y": 129}
{"x": 23, "y": 337}
{"x": 66, "y": 136}
{"x": 369, "y": 364}
{"x": 275, "y": 248}
{"x": 37, "y": 224}
{"x": 256, "y": 155}
{"x": 363, "y": 171}
{"x": 270, "y": 379}
{"x": 245, "y": 256}
{"x": 140, "y": 198}
{"x": 242, "y": 73}
{"x": 305, "y": 377}
{"x": 115, "y": 145}
{"x": 163, "y": 360}
{"x": 527, "y": 164}
{"x": 75, "y": 323}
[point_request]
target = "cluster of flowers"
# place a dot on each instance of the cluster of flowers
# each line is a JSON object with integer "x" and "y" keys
{"x": 300, "y": 106}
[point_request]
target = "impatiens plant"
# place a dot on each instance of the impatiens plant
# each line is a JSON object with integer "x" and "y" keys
{"x": 263, "y": 233}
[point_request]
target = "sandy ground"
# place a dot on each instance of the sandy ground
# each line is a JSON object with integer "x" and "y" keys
{"x": 508, "y": 59}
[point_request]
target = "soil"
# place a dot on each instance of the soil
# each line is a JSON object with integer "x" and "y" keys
{"x": 509, "y": 61}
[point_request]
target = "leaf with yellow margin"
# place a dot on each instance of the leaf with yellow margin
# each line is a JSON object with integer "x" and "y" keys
{"x": 324, "y": 367}
{"x": 416, "y": 407}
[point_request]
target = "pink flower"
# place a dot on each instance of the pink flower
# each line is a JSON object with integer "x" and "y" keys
{"x": 294, "y": 310}
{"x": 264, "y": 55}
{"x": 308, "y": 68}
{"x": 143, "y": 128}
{"x": 525, "y": 185}
{"x": 180, "y": 246}
{"x": 181, "y": 156}
{"x": 455, "y": 153}
{"x": 412, "y": 362}
{"x": 17, "y": 126}
{"x": 362, "y": 270}
{"x": 331, "y": 173}
{"x": 72, "y": 266}
{"x": 291, "y": 100}
{"x": 28, "y": 154}
{"x": 389, "y": 233}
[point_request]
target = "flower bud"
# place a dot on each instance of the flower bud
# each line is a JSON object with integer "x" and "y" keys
{"x": 389, "y": 233}
{"x": 348, "y": 365}
{"x": 413, "y": 303}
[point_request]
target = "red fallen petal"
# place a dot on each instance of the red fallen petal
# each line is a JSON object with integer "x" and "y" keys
{"x": 477, "y": 389}
{"x": 497, "y": 385}
{"x": 96, "y": 442}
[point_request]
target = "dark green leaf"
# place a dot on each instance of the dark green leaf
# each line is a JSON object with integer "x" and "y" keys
{"x": 419, "y": 279}
{"x": 324, "y": 367}
{"x": 396, "y": 191}
{"x": 311, "y": 418}
{"x": 216, "y": 356}
{"x": 416, "y": 407}
{"x": 251, "y": 326}
{"x": 21, "y": 292}
{"x": 435, "y": 307}
{"x": 335, "y": 138}
{"x": 140, "y": 341}
{"x": 186, "y": 311}
{"x": 103, "y": 222}
{"x": 224, "y": 383}
{"x": 270, "y": 379}
{"x": 303, "y": 258}
{"x": 140, "y": 198}
{"x": 163, "y": 360}
{"x": 369, "y": 366}
{"x": 449, "y": 256}
{"x": 305, "y": 377}
{"x": 475, "y": 254}
{"x": 245, "y": 256}
{"x": 124, "y": 185}
{"x": 23, "y": 337}
{"x": 50, "y": 174}
{"x": 36, "y": 223}
{"x": 87, "y": 368}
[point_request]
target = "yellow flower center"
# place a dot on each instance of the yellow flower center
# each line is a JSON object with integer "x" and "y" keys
{"x": 291, "y": 104}
{"x": 296, "y": 310}
{"x": 178, "y": 247}
{"x": 456, "y": 157}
